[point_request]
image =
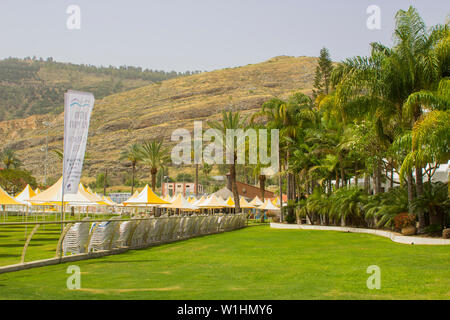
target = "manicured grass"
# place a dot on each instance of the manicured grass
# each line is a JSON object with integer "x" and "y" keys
{"x": 251, "y": 263}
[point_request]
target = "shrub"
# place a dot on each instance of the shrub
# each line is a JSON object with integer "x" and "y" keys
{"x": 348, "y": 203}
{"x": 435, "y": 202}
{"x": 386, "y": 206}
{"x": 403, "y": 220}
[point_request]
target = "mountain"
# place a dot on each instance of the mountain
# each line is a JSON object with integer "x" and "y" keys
{"x": 31, "y": 86}
{"x": 155, "y": 110}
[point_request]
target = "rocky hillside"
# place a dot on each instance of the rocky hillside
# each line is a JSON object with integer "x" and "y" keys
{"x": 154, "y": 111}
{"x": 33, "y": 86}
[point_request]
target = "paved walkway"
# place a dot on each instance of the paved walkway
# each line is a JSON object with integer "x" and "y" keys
{"x": 396, "y": 237}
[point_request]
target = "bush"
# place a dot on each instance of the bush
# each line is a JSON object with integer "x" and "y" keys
{"x": 386, "y": 206}
{"x": 289, "y": 213}
{"x": 14, "y": 180}
{"x": 403, "y": 220}
{"x": 348, "y": 204}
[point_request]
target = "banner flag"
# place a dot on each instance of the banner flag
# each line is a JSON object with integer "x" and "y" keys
{"x": 77, "y": 114}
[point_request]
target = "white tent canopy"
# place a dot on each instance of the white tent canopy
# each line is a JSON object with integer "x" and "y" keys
{"x": 53, "y": 195}
{"x": 180, "y": 202}
{"x": 213, "y": 202}
{"x": 26, "y": 194}
{"x": 269, "y": 206}
{"x": 256, "y": 202}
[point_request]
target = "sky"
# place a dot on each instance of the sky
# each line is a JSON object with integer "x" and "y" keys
{"x": 201, "y": 35}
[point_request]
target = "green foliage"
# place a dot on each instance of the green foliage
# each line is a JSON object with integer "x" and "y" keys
{"x": 14, "y": 180}
{"x": 9, "y": 159}
{"x": 184, "y": 177}
{"x": 322, "y": 76}
{"x": 386, "y": 206}
{"x": 435, "y": 202}
{"x": 100, "y": 181}
{"x": 348, "y": 204}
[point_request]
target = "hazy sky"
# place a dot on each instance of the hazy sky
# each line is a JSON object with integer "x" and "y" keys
{"x": 197, "y": 34}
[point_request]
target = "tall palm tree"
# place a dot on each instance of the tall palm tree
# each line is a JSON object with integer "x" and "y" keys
{"x": 133, "y": 154}
{"x": 155, "y": 156}
{"x": 9, "y": 159}
{"x": 233, "y": 121}
{"x": 378, "y": 86}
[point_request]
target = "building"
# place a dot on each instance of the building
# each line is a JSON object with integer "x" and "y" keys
{"x": 119, "y": 197}
{"x": 187, "y": 189}
{"x": 248, "y": 191}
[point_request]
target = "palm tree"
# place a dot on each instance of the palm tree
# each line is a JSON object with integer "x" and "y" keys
{"x": 291, "y": 117}
{"x": 133, "y": 154}
{"x": 9, "y": 159}
{"x": 378, "y": 86}
{"x": 153, "y": 154}
{"x": 232, "y": 121}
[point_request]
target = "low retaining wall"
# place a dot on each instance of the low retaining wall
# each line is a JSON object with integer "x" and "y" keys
{"x": 396, "y": 237}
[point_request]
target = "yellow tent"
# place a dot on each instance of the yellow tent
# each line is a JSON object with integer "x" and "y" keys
{"x": 230, "y": 202}
{"x": 37, "y": 191}
{"x": 26, "y": 194}
{"x": 147, "y": 196}
{"x": 6, "y": 199}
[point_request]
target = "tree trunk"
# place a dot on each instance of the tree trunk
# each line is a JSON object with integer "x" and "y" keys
{"x": 392, "y": 177}
{"x": 196, "y": 180}
{"x": 289, "y": 185}
{"x": 410, "y": 186}
{"x": 133, "y": 169}
{"x": 337, "y": 180}
{"x": 104, "y": 182}
{"x": 237, "y": 206}
{"x": 262, "y": 185}
{"x": 419, "y": 193}
{"x": 366, "y": 183}
{"x": 153, "y": 172}
{"x": 262, "y": 182}
{"x": 280, "y": 186}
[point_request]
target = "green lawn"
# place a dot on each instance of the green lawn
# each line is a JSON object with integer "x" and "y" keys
{"x": 251, "y": 263}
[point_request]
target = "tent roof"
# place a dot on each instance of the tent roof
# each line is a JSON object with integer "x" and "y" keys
{"x": 213, "y": 202}
{"x": 256, "y": 202}
{"x": 196, "y": 203}
{"x": 192, "y": 199}
{"x": 180, "y": 202}
{"x": 147, "y": 196}
{"x": 53, "y": 195}
{"x": 230, "y": 201}
{"x": 244, "y": 204}
{"x": 26, "y": 194}
{"x": 6, "y": 199}
{"x": 37, "y": 191}
{"x": 224, "y": 193}
{"x": 268, "y": 205}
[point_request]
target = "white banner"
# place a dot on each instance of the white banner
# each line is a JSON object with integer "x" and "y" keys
{"x": 77, "y": 114}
